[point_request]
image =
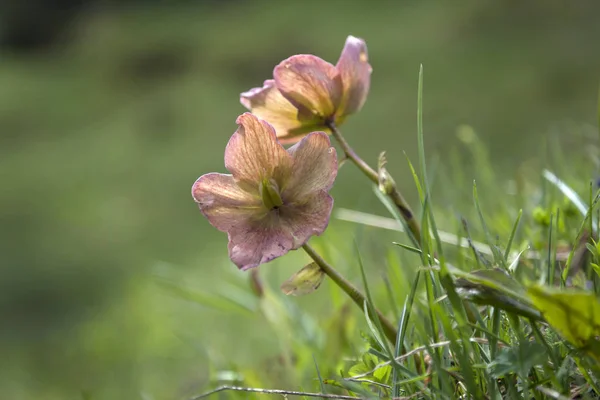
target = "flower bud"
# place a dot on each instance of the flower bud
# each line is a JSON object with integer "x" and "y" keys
{"x": 386, "y": 183}
{"x": 305, "y": 281}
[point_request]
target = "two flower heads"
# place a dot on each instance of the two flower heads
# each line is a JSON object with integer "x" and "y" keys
{"x": 275, "y": 199}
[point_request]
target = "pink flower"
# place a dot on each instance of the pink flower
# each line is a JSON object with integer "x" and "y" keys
{"x": 307, "y": 92}
{"x": 275, "y": 199}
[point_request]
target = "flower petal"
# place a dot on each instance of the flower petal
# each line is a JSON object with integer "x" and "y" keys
{"x": 258, "y": 242}
{"x": 315, "y": 167}
{"x": 355, "y": 70}
{"x": 223, "y": 202}
{"x": 312, "y": 85}
{"x": 253, "y": 154}
{"x": 268, "y": 103}
{"x": 308, "y": 219}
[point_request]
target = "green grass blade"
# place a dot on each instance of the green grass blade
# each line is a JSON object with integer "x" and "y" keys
{"x": 591, "y": 223}
{"x": 479, "y": 257}
{"x": 513, "y": 232}
{"x": 582, "y": 227}
{"x": 392, "y": 224}
{"x": 370, "y": 306}
{"x": 496, "y": 318}
{"x": 540, "y": 337}
{"x": 390, "y": 293}
{"x": 416, "y": 178}
{"x": 498, "y": 259}
{"x": 594, "y": 384}
{"x": 461, "y": 352}
{"x": 570, "y": 194}
{"x": 375, "y": 331}
{"x": 322, "y": 385}
{"x": 391, "y": 207}
{"x": 244, "y": 304}
{"x": 550, "y": 270}
{"x": 421, "y": 142}
{"x": 397, "y": 352}
{"x": 409, "y": 248}
{"x": 429, "y": 279}
{"x": 402, "y": 329}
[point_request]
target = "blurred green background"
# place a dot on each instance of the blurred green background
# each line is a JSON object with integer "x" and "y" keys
{"x": 110, "y": 110}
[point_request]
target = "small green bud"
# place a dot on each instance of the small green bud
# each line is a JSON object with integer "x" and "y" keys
{"x": 386, "y": 182}
{"x": 541, "y": 216}
{"x": 305, "y": 281}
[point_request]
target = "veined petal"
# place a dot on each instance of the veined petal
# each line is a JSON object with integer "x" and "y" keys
{"x": 311, "y": 84}
{"x": 296, "y": 135}
{"x": 308, "y": 219}
{"x": 355, "y": 70}
{"x": 258, "y": 242}
{"x": 268, "y": 104}
{"x": 223, "y": 202}
{"x": 314, "y": 167}
{"x": 253, "y": 154}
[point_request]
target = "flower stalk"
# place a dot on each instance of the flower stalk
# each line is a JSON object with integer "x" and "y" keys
{"x": 351, "y": 290}
{"x": 392, "y": 192}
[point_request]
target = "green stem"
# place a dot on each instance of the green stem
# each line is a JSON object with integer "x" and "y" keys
{"x": 350, "y": 290}
{"x": 394, "y": 194}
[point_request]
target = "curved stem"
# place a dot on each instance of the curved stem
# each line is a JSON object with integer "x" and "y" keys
{"x": 350, "y": 290}
{"x": 394, "y": 194}
{"x": 351, "y": 154}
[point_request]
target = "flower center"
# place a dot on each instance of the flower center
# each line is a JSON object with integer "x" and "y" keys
{"x": 270, "y": 194}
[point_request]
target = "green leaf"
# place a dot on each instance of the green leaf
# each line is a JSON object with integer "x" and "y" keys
{"x": 494, "y": 287}
{"x": 359, "y": 369}
{"x": 305, "y": 281}
{"x": 382, "y": 375}
{"x": 370, "y": 360}
{"x": 500, "y": 277}
{"x": 366, "y": 368}
{"x": 596, "y": 268}
{"x": 574, "y": 314}
{"x": 518, "y": 359}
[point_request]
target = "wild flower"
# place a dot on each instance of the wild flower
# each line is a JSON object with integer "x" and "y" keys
{"x": 308, "y": 93}
{"x": 275, "y": 199}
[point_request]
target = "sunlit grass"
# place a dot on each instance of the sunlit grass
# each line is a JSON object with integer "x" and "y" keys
{"x": 480, "y": 328}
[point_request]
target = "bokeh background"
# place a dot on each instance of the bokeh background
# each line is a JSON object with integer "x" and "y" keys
{"x": 109, "y": 110}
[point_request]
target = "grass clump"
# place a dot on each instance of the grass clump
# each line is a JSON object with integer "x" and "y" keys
{"x": 513, "y": 316}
